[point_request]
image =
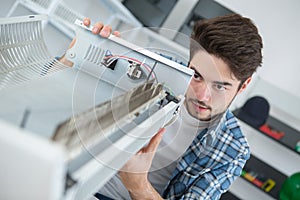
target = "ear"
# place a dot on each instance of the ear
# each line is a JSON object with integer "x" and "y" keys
{"x": 245, "y": 84}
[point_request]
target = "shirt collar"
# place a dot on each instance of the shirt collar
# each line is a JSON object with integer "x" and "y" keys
{"x": 214, "y": 128}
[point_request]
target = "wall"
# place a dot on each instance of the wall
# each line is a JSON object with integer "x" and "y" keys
{"x": 279, "y": 26}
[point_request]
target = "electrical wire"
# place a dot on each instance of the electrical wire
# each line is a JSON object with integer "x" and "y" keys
{"x": 151, "y": 72}
{"x": 112, "y": 58}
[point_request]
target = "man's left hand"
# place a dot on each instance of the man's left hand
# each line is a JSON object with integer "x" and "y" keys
{"x": 134, "y": 173}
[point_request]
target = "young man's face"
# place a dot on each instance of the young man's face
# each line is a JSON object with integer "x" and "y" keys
{"x": 212, "y": 88}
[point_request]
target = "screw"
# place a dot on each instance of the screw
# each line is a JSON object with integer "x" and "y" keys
{"x": 72, "y": 55}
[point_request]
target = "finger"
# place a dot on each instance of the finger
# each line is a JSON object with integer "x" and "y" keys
{"x": 154, "y": 142}
{"x": 106, "y": 31}
{"x": 86, "y": 21}
{"x": 117, "y": 33}
{"x": 97, "y": 28}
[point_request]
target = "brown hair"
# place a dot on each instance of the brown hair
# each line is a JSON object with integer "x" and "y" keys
{"x": 232, "y": 38}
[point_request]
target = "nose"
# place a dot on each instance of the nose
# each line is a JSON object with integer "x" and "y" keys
{"x": 202, "y": 91}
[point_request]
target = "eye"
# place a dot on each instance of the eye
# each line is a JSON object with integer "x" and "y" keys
{"x": 197, "y": 77}
{"x": 219, "y": 87}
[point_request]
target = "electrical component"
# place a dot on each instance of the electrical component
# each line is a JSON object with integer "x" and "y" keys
{"x": 97, "y": 123}
{"x": 106, "y": 61}
{"x": 110, "y": 65}
{"x": 134, "y": 71}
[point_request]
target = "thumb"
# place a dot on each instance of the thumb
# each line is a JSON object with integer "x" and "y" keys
{"x": 154, "y": 142}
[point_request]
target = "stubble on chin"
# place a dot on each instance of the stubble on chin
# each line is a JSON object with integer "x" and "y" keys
{"x": 188, "y": 103}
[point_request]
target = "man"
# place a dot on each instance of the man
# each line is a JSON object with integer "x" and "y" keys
{"x": 202, "y": 153}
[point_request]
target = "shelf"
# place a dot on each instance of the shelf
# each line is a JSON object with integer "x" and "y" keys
{"x": 263, "y": 176}
{"x": 290, "y": 138}
{"x": 291, "y": 135}
{"x": 229, "y": 196}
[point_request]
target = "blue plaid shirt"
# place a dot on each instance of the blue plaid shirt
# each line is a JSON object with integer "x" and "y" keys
{"x": 211, "y": 163}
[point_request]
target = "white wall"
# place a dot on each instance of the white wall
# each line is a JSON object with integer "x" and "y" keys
{"x": 278, "y": 23}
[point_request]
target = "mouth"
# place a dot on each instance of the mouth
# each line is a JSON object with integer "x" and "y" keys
{"x": 200, "y": 107}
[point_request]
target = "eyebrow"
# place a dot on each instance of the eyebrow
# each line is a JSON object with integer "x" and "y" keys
{"x": 215, "y": 82}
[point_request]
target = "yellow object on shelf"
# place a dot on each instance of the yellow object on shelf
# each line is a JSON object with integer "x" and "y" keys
{"x": 268, "y": 185}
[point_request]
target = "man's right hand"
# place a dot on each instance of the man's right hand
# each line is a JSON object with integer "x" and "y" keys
{"x": 98, "y": 28}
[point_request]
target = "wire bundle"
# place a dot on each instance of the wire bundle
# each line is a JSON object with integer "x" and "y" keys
{"x": 111, "y": 58}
